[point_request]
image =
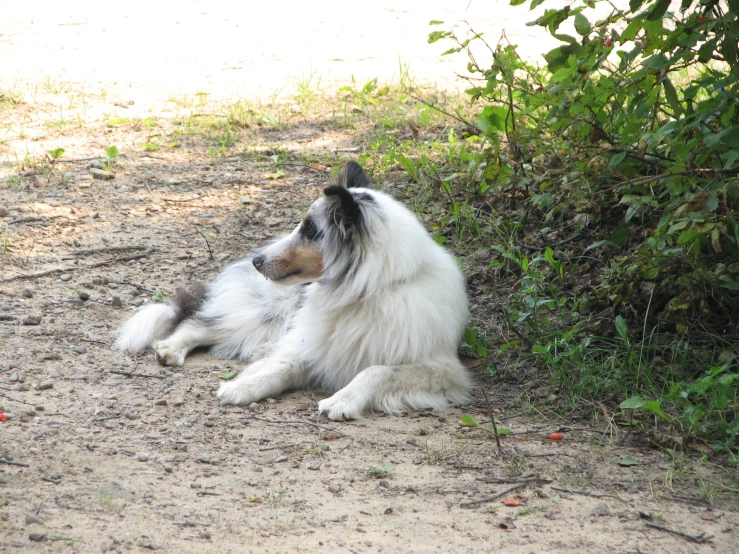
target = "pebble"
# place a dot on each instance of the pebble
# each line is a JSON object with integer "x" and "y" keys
{"x": 37, "y": 537}
{"x": 101, "y": 174}
{"x": 131, "y": 414}
{"x": 253, "y": 406}
{"x": 80, "y": 349}
{"x": 137, "y": 301}
{"x": 4, "y": 211}
{"x": 39, "y": 408}
{"x": 31, "y": 320}
{"x": 116, "y": 302}
{"x": 315, "y": 466}
{"x": 600, "y": 510}
{"x": 208, "y": 423}
{"x": 65, "y": 276}
{"x": 83, "y": 295}
{"x": 204, "y": 460}
{"x": 46, "y": 385}
{"x": 192, "y": 419}
{"x": 14, "y": 377}
{"x": 384, "y": 483}
{"x": 143, "y": 458}
{"x": 334, "y": 488}
{"x": 32, "y": 518}
{"x": 223, "y": 411}
{"x": 196, "y": 486}
{"x": 271, "y": 401}
{"x": 281, "y": 459}
{"x": 161, "y": 402}
{"x": 27, "y": 293}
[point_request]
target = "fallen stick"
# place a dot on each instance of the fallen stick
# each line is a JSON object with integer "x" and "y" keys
{"x": 493, "y": 497}
{"x": 3, "y": 461}
{"x": 89, "y": 251}
{"x": 593, "y": 494}
{"x": 298, "y": 422}
{"x": 132, "y": 374}
{"x": 700, "y": 539}
{"x": 22, "y": 276}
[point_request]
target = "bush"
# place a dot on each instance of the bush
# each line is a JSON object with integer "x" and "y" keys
{"x": 627, "y": 144}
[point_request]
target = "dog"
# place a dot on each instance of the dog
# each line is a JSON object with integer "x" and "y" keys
{"x": 357, "y": 300}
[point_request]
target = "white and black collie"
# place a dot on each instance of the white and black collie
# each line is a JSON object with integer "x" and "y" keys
{"x": 358, "y": 300}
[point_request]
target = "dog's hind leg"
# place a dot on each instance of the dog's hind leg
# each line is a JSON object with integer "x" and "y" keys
{"x": 395, "y": 389}
{"x": 188, "y": 335}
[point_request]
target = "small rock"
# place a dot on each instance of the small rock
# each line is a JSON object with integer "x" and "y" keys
{"x": 281, "y": 459}
{"x": 83, "y": 295}
{"x": 33, "y": 518}
{"x": 31, "y": 320}
{"x": 27, "y": 293}
{"x": 37, "y": 537}
{"x": 192, "y": 419}
{"x": 131, "y": 414}
{"x": 600, "y": 510}
{"x": 101, "y": 174}
{"x": 196, "y": 486}
{"x": 384, "y": 483}
{"x": 116, "y": 302}
{"x": 204, "y": 534}
{"x": 203, "y": 460}
{"x": 168, "y": 469}
{"x": 80, "y": 349}
{"x": 65, "y": 276}
{"x": 14, "y": 377}
{"x": 143, "y": 458}
{"x": 39, "y": 408}
{"x": 334, "y": 488}
{"x": 271, "y": 401}
{"x": 4, "y": 211}
{"x": 315, "y": 466}
{"x": 161, "y": 402}
{"x": 46, "y": 385}
{"x": 223, "y": 411}
{"x": 253, "y": 406}
{"x": 208, "y": 423}
{"x": 137, "y": 301}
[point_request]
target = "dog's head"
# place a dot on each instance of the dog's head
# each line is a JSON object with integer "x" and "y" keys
{"x": 322, "y": 245}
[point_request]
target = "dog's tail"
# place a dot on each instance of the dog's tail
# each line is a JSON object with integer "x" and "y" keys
{"x": 156, "y": 321}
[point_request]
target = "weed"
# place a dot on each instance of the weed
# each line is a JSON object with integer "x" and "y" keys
{"x": 380, "y": 472}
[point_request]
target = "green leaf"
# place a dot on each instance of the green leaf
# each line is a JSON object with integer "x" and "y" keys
{"x": 468, "y": 421}
{"x": 227, "y": 374}
{"x": 671, "y": 95}
{"x": 582, "y": 25}
{"x": 111, "y": 151}
{"x": 621, "y": 327}
{"x": 517, "y": 2}
{"x": 628, "y": 461}
{"x": 618, "y": 158}
{"x": 470, "y": 337}
{"x": 635, "y": 5}
{"x": 493, "y": 119}
{"x": 57, "y": 153}
{"x": 633, "y": 403}
{"x": 659, "y": 9}
{"x": 436, "y": 22}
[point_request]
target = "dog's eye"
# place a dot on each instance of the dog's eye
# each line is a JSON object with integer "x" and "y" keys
{"x": 308, "y": 229}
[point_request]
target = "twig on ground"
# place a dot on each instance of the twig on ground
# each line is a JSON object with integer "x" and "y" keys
{"x": 73, "y": 160}
{"x": 50, "y": 480}
{"x": 183, "y": 200}
{"x": 593, "y": 494}
{"x": 495, "y": 480}
{"x": 4, "y": 461}
{"x": 89, "y": 251}
{"x": 132, "y": 374}
{"x": 203, "y": 234}
{"x": 23, "y": 276}
{"x": 190, "y": 523}
{"x": 15, "y": 399}
{"x": 700, "y": 539}
{"x": 492, "y": 419}
{"x": 298, "y": 422}
{"x": 493, "y": 497}
{"x": 208, "y": 493}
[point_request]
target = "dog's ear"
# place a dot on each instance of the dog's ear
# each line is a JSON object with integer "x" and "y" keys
{"x": 348, "y": 207}
{"x": 352, "y": 176}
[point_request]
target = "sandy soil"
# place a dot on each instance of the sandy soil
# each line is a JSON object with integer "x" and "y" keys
{"x": 95, "y": 460}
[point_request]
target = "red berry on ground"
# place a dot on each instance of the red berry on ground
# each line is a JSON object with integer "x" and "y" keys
{"x": 556, "y": 437}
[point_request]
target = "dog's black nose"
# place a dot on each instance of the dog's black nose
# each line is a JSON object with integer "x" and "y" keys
{"x": 258, "y": 261}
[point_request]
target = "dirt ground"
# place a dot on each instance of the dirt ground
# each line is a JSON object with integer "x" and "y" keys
{"x": 104, "y": 453}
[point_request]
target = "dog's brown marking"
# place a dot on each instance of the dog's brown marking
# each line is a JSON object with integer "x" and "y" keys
{"x": 305, "y": 261}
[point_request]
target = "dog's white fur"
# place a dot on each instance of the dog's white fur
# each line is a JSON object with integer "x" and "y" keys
{"x": 379, "y": 328}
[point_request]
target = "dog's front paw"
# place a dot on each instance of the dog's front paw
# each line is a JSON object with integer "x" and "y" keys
{"x": 236, "y": 392}
{"x": 341, "y": 406}
{"x": 169, "y": 354}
